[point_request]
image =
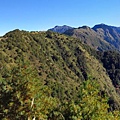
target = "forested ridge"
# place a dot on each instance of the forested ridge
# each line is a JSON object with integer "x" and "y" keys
{"x": 47, "y": 75}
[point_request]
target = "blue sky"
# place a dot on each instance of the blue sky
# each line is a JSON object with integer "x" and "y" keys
{"x": 36, "y": 15}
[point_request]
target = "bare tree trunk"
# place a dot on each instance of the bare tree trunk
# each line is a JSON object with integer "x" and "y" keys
{"x": 31, "y": 108}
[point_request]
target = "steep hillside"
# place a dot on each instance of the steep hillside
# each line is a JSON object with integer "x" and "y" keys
{"x": 62, "y": 62}
{"x": 60, "y": 29}
{"x": 90, "y": 37}
{"x": 111, "y": 61}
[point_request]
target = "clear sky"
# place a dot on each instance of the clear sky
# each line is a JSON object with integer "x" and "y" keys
{"x": 36, "y": 15}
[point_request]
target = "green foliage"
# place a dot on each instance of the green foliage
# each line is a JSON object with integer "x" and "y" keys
{"x": 61, "y": 62}
{"x": 111, "y": 61}
{"x": 22, "y": 95}
{"x": 91, "y": 105}
{"x": 14, "y": 94}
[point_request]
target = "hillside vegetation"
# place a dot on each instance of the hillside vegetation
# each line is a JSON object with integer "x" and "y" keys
{"x": 62, "y": 64}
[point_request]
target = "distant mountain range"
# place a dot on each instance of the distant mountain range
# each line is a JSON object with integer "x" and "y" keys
{"x": 100, "y": 37}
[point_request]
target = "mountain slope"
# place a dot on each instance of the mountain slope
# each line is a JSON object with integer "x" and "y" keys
{"x": 109, "y": 33}
{"x": 62, "y": 62}
{"x": 90, "y": 37}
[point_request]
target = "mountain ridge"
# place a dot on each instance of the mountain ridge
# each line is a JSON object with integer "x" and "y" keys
{"x": 61, "y": 61}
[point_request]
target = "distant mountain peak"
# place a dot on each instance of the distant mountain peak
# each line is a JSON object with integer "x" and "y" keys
{"x": 56, "y": 26}
{"x": 100, "y": 26}
{"x": 104, "y": 26}
{"x": 84, "y": 27}
{"x": 61, "y": 29}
